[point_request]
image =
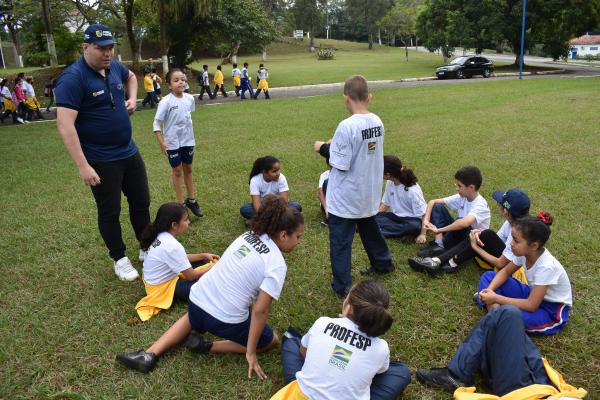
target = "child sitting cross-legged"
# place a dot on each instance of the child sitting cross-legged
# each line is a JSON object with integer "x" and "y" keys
{"x": 472, "y": 213}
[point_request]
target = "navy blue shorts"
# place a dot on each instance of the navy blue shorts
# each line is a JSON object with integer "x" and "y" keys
{"x": 183, "y": 154}
{"x": 202, "y": 322}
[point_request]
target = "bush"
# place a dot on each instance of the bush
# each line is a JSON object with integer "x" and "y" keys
{"x": 325, "y": 53}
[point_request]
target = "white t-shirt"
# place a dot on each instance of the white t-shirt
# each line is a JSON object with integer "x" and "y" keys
{"x": 404, "y": 203}
{"x": 205, "y": 79}
{"x": 165, "y": 259}
{"x": 356, "y": 157}
{"x": 175, "y": 113}
{"x": 251, "y": 263}
{"x": 324, "y": 176}
{"x": 477, "y": 208}
{"x": 547, "y": 271}
{"x": 6, "y": 92}
{"x": 341, "y": 361}
{"x": 27, "y": 89}
{"x": 505, "y": 234}
{"x": 262, "y": 73}
{"x": 260, "y": 187}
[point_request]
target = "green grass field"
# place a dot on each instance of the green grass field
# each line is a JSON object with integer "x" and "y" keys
{"x": 65, "y": 315}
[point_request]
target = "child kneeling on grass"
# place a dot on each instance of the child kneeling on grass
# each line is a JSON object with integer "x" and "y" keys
{"x": 177, "y": 140}
{"x": 507, "y": 359}
{"x": 343, "y": 358}
{"x": 250, "y": 274}
{"x": 546, "y": 298}
{"x": 472, "y": 213}
{"x": 404, "y": 197}
{"x": 168, "y": 270}
{"x": 266, "y": 178}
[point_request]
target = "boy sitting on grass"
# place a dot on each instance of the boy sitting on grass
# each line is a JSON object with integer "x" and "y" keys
{"x": 472, "y": 213}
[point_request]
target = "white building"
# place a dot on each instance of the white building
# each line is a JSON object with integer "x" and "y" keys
{"x": 585, "y": 45}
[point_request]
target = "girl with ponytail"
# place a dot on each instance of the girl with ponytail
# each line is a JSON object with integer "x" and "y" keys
{"x": 168, "y": 270}
{"x": 546, "y": 298}
{"x": 266, "y": 178}
{"x": 403, "y": 198}
{"x": 249, "y": 276}
{"x": 343, "y": 358}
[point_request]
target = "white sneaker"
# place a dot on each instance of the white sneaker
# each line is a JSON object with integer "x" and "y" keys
{"x": 20, "y": 120}
{"x": 142, "y": 255}
{"x": 125, "y": 270}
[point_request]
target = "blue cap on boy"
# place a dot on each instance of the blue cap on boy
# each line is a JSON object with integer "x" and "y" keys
{"x": 98, "y": 34}
{"x": 515, "y": 201}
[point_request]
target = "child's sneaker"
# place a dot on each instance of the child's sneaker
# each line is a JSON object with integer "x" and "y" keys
{"x": 197, "y": 343}
{"x": 424, "y": 264}
{"x": 440, "y": 378}
{"x": 125, "y": 270}
{"x": 194, "y": 207}
{"x": 431, "y": 249}
{"x": 138, "y": 360}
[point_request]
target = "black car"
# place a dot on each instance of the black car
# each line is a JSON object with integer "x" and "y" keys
{"x": 466, "y": 67}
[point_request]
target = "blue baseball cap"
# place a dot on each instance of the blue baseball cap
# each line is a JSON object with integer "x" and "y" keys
{"x": 515, "y": 201}
{"x": 98, "y": 34}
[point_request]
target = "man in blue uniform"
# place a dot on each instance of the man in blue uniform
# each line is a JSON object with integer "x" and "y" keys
{"x": 95, "y": 97}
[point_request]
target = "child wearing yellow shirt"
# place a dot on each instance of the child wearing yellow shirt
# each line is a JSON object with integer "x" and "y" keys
{"x": 149, "y": 89}
{"x": 218, "y": 80}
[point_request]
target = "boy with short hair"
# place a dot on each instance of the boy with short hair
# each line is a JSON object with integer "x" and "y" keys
{"x": 472, "y": 213}
{"x": 204, "y": 83}
{"x": 218, "y": 80}
{"x": 354, "y": 188}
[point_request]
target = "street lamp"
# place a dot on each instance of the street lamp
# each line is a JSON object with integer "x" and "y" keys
{"x": 522, "y": 41}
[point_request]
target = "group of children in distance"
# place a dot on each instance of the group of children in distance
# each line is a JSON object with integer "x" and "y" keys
{"x": 241, "y": 82}
{"x": 344, "y": 357}
{"x": 22, "y": 103}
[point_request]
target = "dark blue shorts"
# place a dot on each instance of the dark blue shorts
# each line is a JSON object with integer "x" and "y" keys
{"x": 183, "y": 154}
{"x": 202, "y": 322}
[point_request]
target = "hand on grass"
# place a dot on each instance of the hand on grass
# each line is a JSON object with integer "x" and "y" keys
{"x": 89, "y": 175}
{"x": 254, "y": 366}
{"x": 421, "y": 239}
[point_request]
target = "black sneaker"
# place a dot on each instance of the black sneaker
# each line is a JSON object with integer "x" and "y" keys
{"x": 448, "y": 268}
{"x": 432, "y": 249}
{"x": 421, "y": 264}
{"x": 372, "y": 271}
{"x": 440, "y": 378}
{"x": 138, "y": 360}
{"x": 194, "y": 207}
{"x": 197, "y": 343}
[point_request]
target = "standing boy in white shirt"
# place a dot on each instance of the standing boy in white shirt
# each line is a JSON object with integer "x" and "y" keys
{"x": 472, "y": 213}
{"x": 354, "y": 189}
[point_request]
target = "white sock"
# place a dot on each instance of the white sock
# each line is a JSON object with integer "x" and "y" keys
{"x": 439, "y": 242}
{"x": 453, "y": 263}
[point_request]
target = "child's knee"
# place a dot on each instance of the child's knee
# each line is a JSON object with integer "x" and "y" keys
{"x": 187, "y": 168}
{"x": 275, "y": 342}
{"x": 177, "y": 171}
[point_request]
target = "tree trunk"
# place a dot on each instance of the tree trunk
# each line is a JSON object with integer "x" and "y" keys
{"x": 164, "y": 48}
{"x": 370, "y": 39}
{"x": 264, "y": 54}
{"x": 135, "y": 53}
{"x": 49, "y": 35}
{"x": 16, "y": 38}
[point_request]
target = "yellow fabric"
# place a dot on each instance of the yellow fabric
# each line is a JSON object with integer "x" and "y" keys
{"x": 518, "y": 274}
{"x": 263, "y": 85}
{"x": 148, "y": 84}
{"x": 32, "y": 103}
{"x": 531, "y": 392}
{"x": 159, "y": 297}
{"x": 9, "y": 106}
{"x": 218, "y": 78}
{"x": 290, "y": 392}
{"x": 237, "y": 81}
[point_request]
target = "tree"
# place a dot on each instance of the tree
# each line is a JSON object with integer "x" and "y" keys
{"x": 370, "y": 12}
{"x": 400, "y": 21}
{"x": 308, "y": 17}
{"x": 49, "y": 34}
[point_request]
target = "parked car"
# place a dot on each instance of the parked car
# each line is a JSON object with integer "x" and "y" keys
{"x": 466, "y": 67}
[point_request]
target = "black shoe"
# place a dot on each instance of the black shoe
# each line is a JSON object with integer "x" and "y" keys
{"x": 440, "y": 378}
{"x": 194, "y": 207}
{"x": 372, "y": 271}
{"x": 195, "y": 342}
{"x": 432, "y": 249}
{"x": 341, "y": 293}
{"x": 138, "y": 360}
{"x": 421, "y": 264}
{"x": 448, "y": 269}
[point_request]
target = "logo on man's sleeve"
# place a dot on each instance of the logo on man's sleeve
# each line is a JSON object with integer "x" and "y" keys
{"x": 371, "y": 146}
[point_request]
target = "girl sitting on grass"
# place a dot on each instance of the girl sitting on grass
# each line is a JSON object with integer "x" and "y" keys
{"x": 343, "y": 358}
{"x": 546, "y": 299}
{"x": 168, "y": 271}
{"x": 405, "y": 198}
{"x": 266, "y": 178}
{"x": 249, "y": 276}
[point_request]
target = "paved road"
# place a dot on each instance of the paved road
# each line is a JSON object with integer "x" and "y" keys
{"x": 580, "y": 71}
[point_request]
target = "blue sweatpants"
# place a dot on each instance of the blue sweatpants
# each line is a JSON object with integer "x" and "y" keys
{"x": 247, "y": 210}
{"x": 500, "y": 350}
{"x": 392, "y": 225}
{"x": 549, "y": 318}
{"x": 341, "y": 236}
{"x": 440, "y": 217}
{"x": 388, "y": 385}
